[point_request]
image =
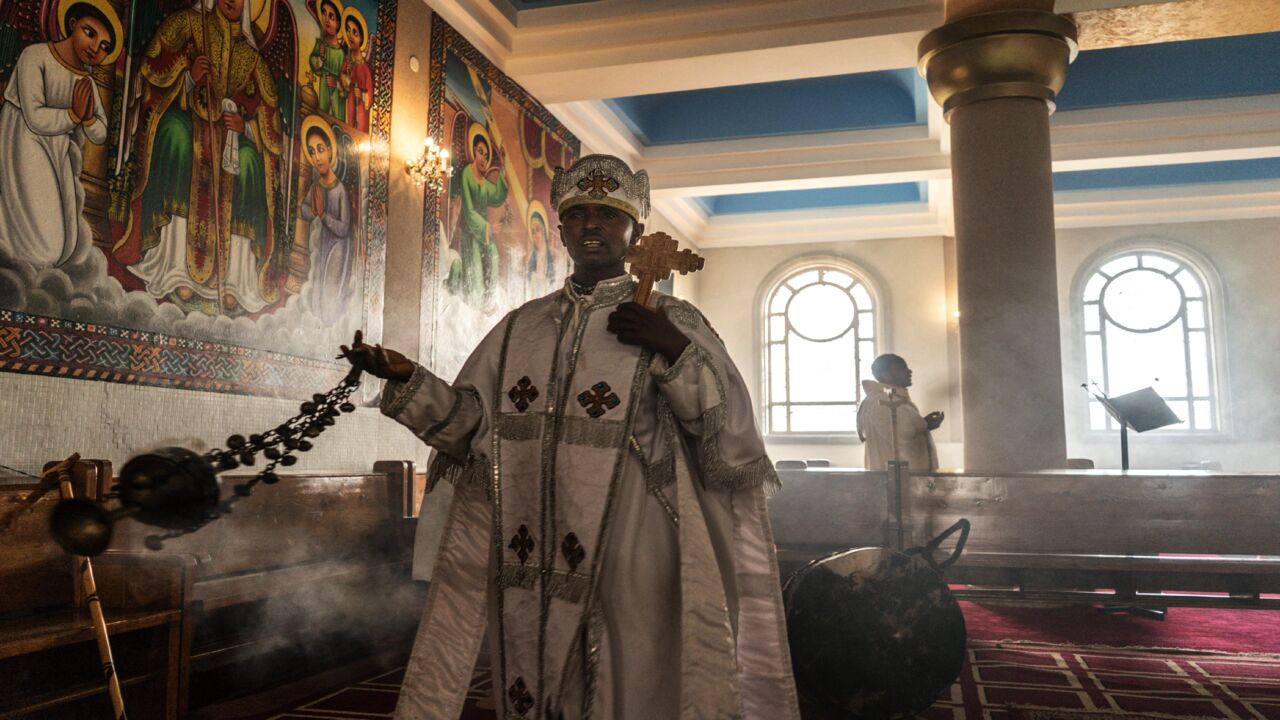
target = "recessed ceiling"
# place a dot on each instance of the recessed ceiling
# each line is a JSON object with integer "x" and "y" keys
{"x": 844, "y": 102}
{"x": 1189, "y": 70}
{"x": 1182, "y": 174}
{"x": 815, "y": 199}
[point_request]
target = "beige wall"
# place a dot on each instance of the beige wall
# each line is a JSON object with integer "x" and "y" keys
{"x": 45, "y": 418}
{"x": 1245, "y": 256}
{"x": 909, "y": 275}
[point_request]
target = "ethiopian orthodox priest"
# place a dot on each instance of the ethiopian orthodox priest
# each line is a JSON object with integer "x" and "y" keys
{"x": 608, "y": 520}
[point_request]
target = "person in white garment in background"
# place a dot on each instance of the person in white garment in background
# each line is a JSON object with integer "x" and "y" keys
{"x": 608, "y": 523}
{"x": 890, "y": 425}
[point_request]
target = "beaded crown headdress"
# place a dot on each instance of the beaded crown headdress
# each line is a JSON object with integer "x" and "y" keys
{"x": 601, "y": 180}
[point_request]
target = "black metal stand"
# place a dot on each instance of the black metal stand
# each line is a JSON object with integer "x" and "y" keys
{"x": 1124, "y": 446}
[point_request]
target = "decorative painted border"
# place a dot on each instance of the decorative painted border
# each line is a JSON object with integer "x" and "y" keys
{"x": 52, "y": 347}
{"x": 68, "y": 349}
{"x": 443, "y": 39}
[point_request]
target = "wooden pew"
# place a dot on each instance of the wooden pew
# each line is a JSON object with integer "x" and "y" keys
{"x": 1136, "y": 538}
{"x": 48, "y": 654}
{"x": 301, "y": 576}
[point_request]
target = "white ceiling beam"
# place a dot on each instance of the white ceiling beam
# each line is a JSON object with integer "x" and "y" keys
{"x": 1167, "y": 204}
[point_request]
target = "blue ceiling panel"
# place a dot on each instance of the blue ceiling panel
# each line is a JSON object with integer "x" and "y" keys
{"x": 1166, "y": 72}
{"x": 842, "y": 102}
{"x": 1185, "y": 174}
{"x": 815, "y": 199}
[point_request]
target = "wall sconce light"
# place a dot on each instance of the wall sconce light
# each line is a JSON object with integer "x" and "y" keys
{"x": 431, "y": 169}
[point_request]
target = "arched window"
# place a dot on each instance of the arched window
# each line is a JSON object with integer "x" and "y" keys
{"x": 819, "y": 341}
{"x": 1148, "y": 321}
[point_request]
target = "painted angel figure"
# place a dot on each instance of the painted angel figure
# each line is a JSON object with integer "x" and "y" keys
{"x": 327, "y": 57}
{"x": 356, "y": 78}
{"x": 327, "y": 207}
{"x": 51, "y": 107}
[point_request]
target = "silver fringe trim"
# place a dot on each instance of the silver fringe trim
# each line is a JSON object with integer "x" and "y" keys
{"x": 659, "y": 475}
{"x": 394, "y": 404}
{"x": 568, "y": 586}
{"x": 520, "y": 426}
{"x": 472, "y": 472}
{"x": 605, "y": 434}
{"x": 692, "y": 354}
{"x": 717, "y": 473}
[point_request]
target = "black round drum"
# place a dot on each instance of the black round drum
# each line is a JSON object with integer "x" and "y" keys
{"x": 874, "y": 632}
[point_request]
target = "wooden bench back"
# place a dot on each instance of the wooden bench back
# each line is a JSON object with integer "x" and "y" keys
{"x": 301, "y": 519}
{"x": 1141, "y": 513}
{"x": 35, "y": 573}
{"x": 1084, "y": 512}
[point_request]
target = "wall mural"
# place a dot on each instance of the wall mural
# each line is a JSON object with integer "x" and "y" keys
{"x": 491, "y": 244}
{"x": 194, "y": 190}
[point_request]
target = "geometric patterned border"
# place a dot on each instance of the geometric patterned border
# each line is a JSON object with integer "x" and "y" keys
{"x": 62, "y": 348}
{"x": 52, "y": 347}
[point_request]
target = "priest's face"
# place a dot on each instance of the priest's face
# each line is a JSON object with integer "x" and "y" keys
{"x": 597, "y": 236}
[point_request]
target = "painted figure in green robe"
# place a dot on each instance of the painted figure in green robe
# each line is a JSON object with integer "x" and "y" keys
{"x": 475, "y": 273}
{"x": 326, "y": 60}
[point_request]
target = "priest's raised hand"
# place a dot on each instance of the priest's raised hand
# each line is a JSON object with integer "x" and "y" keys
{"x": 377, "y": 360}
{"x": 635, "y": 324}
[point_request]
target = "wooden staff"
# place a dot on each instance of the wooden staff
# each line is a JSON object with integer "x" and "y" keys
{"x": 95, "y": 606}
{"x": 654, "y": 258}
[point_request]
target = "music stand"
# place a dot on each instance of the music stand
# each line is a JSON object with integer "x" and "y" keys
{"x": 1141, "y": 410}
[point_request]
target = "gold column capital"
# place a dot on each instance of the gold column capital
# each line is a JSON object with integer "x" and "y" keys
{"x": 1007, "y": 53}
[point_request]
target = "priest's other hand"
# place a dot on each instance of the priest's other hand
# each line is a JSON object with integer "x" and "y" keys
{"x": 934, "y": 419}
{"x": 377, "y": 360}
{"x": 635, "y": 324}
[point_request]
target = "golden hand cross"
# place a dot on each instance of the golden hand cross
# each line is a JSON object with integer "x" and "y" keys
{"x": 654, "y": 258}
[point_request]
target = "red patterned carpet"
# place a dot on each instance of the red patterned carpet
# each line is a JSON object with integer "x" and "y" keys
{"x": 1034, "y": 663}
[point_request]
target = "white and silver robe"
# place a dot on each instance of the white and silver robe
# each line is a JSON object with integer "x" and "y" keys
{"x": 608, "y": 525}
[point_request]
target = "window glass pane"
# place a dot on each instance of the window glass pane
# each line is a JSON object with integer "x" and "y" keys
{"x": 866, "y": 325}
{"x": 861, "y": 297}
{"x": 778, "y": 418}
{"x": 1182, "y": 409}
{"x": 824, "y": 418}
{"x": 866, "y": 353}
{"x": 777, "y": 328}
{"x": 777, "y": 373}
{"x": 821, "y": 312}
{"x": 1093, "y": 358}
{"x": 799, "y": 280}
{"x": 1161, "y": 263}
{"x": 822, "y": 371}
{"x": 1097, "y": 416}
{"x": 1195, "y": 314}
{"x": 780, "y": 297}
{"x": 1092, "y": 323}
{"x": 1190, "y": 283}
{"x": 836, "y": 277}
{"x": 1204, "y": 415}
{"x": 1199, "y": 363}
{"x": 1120, "y": 264}
{"x": 1136, "y": 360}
{"x": 1142, "y": 300}
{"x": 1093, "y": 288}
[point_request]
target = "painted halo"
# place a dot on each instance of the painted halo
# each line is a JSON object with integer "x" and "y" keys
{"x": 108, "y": 12}
{"x": 318, "y": 122}
{"x": 255, "y": 9}
{"x": 477, "y": 130}
{"x": 318, "y": 7}
{"x": 536, "y": 209}
{"x": 353, "y": 14}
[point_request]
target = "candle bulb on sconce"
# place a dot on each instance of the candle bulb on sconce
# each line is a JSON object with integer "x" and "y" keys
{"x": 432, "y": 169}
